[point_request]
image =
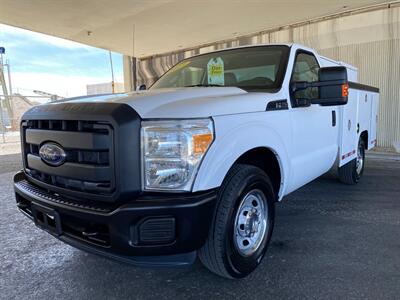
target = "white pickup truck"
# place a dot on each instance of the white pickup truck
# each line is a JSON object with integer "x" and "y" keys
{"x": 194, "y": 164}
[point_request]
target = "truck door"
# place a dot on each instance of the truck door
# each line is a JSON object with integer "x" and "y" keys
{"x": 314, "y": 127}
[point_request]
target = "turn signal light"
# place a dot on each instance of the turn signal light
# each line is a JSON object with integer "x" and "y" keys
{"x": 201, "y": 142}
{"x": 345, "y": 90}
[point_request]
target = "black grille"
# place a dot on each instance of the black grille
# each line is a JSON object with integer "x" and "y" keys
{"x": 89, "y": 165}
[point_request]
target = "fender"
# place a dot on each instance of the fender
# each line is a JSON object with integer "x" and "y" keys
{"x": 234, "y": 138}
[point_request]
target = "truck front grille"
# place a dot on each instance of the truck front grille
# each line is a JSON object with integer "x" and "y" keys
{"x": 89, "y": 165}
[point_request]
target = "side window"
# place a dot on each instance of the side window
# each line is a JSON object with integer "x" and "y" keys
{"x": 306, "y": 69}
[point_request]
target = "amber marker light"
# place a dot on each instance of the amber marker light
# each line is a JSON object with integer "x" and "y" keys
{"x": 201, "y": 142}
{"x": 345, "y": 90}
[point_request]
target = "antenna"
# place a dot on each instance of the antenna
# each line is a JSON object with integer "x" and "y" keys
{"x": 134, "y": 60}
{"x": 133, "y": 40}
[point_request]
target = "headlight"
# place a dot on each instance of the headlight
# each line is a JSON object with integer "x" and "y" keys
{"x": 172, "y": 152}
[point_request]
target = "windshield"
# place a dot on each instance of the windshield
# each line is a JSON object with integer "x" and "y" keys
{"x": 251, "y": 68}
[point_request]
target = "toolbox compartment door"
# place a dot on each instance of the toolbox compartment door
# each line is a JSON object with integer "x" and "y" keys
{"x": 348, "y": 129}
{"x": 374, "y": 120}
{"x": 359, "y": 115}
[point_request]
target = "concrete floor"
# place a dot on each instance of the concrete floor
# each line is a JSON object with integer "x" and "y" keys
{"x": 331, "y": 241}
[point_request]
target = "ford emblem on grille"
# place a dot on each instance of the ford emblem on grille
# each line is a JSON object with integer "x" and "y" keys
{"x": 52, "y": 154}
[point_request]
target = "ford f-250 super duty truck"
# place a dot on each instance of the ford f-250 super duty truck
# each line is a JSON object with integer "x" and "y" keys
{"x": 194, "y": 164}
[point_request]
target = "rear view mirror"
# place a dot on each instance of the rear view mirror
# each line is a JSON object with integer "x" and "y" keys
{"x": 333, "y": 86}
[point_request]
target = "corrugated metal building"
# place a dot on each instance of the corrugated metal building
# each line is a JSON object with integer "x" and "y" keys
{"x": 104, "y": 88}
{"x": 368, "y": 39}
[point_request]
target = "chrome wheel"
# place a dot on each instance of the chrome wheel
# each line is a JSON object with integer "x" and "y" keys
{"x": 251, "y": 222}
{"x": 359, "y": 160}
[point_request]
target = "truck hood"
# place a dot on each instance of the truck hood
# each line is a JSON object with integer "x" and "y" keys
{"x": 193, "y": 102}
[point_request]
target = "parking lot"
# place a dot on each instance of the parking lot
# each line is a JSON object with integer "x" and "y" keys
{"x": 330, "y": 241}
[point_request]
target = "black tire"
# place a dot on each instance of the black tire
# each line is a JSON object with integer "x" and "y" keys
{"x": 219, "y": 254}
{"x": 349, "y": 173}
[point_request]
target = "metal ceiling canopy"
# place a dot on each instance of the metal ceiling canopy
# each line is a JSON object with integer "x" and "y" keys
{"x": 143, "y": 28}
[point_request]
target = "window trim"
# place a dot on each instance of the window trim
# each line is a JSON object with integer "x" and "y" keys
{"x": 299, "y": 51}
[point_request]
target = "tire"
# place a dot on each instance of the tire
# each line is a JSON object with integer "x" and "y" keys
{"x": 351, "y": 172}
{"x": 245, "y": 194}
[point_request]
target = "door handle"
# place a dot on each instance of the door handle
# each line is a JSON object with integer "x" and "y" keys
{"x": 333, "y": 118}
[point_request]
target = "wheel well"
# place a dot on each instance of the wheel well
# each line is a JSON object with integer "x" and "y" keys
{"x": 364, "y": 137}
{"x": 266, "y": 160}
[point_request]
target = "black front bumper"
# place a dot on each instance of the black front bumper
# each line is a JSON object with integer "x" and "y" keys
{"x": 157, "y": 230}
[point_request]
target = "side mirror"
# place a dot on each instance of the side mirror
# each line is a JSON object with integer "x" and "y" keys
{"x": 142, "y": 87}
{"x": 333, "y": 88}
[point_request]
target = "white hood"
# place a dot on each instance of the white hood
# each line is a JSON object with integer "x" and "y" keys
{"x": 193, "y": 102}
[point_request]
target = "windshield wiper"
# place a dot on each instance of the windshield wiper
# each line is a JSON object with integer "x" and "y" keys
{"x": 204, "y": 85}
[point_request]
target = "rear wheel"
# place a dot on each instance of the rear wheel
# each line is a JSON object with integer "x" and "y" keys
{"x": 351, "y": 172}
{"x": 242, "y": 224}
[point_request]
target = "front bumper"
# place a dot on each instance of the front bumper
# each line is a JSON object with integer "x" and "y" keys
{"x": 153, "y": 229}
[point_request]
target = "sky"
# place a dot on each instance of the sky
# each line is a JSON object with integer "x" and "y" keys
{"x": 54, "y": 65}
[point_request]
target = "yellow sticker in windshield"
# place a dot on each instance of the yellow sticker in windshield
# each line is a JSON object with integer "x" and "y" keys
{"x": 215, "y": 71}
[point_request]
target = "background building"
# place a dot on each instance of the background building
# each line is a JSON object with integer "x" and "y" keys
{"x": 104, "y": 88}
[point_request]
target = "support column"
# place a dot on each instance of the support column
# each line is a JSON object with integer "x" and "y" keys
{"x": 129, "y": 73}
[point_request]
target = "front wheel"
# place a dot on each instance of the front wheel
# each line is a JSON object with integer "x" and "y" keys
{"x": 351, "y": 172}
{"x": 242, "y": 224}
